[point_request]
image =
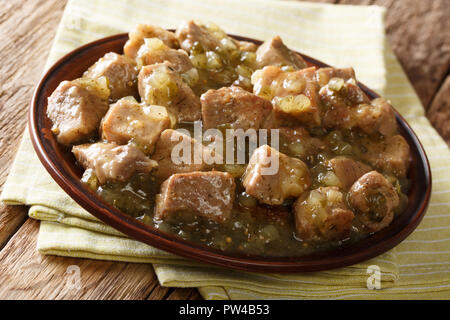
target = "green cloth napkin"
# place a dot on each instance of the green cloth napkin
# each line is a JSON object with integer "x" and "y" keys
{"x": 340, "y": 35}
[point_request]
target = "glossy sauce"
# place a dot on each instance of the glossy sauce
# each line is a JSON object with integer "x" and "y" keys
{"x": 253, "y": 228}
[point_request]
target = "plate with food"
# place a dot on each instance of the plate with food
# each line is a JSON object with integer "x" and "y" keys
{"x": 228, "y": 150}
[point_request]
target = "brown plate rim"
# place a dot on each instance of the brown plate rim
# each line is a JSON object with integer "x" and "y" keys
{"x": 373, "y": 247}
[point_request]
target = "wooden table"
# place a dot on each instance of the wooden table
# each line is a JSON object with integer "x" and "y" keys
{"x": 415, "y": 31}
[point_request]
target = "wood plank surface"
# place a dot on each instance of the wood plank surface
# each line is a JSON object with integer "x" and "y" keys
{"x": 415, "y": 30}
{"x": 27, "y": 29}
{"x": 418, "y": 33}
{"x": 26, "y": 274}
{"x": 439, "y": 111}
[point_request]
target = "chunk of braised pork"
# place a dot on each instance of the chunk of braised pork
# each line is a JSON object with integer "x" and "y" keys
{"x": 120, "y": 71}
{"x": 374, "y": 199}
{"x": 347, "y": 170}
{"x": 234, "y": 106}
{"x": 208, "y": 194}
{"x": 155, "y": 51}
{"x": 192, "y": 37}
{"x": 143, "y": 31}
{"x": 127, "y": 120}
{"x": 160, "y": 84}
{"x": 274, "y": 52}
{"x": 177, "y": 152}
{"x": 324, "y": 75}
{"x": 221, "y": 61}
{"x": 322, "y": 214}
{"x": 76, "y": 109}
{"x": 378, "y": 117}
{"x": 298, "y": 142}
{"x": 390, "y": 155}
{"x": 294, "y": 96}
{"x": 111, "y": 162}
{"x": 340, "y": 93}
{"x": 271, "y": 81}
{"x": 196, "y": 38}
{"x": 272, "y": 177}
{"x": 347, "y": 107}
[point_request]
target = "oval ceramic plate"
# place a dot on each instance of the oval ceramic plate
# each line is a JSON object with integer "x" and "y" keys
{"x": 61, "y": 165}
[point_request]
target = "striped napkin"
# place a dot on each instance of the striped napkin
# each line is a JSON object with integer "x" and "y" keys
{"x": 342, "y": 36}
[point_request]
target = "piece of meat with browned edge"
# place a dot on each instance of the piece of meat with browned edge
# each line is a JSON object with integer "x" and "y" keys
{"x": 339, "y": 89}
{"x": 378, "y": 116}
{"x": 128, "y": 120}
{"x": 347, "y": 170}
{"x": 142, "y": 31}
{"x": 272, "y": 177}
{"x": 160, "y": 84}
{"x": 274, "y": 52}
{"x": 234, "y": 106}
{"x": 272, "y": 81}
{"x": 340, "y": 98}
{"x": 294, "y": 96}
{"x": 208, "y": 194}
{"x": 324, "y": 75}
{"x": 390, "y": 155}
{"x": 120, "y": 71}
{"x": 297, "y": 141}
{"x": 199, "y": 38}
{"x": 347, "y": 107}
{"x": 111, "y": 162}
{"x": 192, "y": 36}
{"x": 155, "y": 51}
{"x": 322, "y": 214}
{"x": 76, "y": 109}
{"x": 177, "y": 152}
{"x": 374, "y": 199}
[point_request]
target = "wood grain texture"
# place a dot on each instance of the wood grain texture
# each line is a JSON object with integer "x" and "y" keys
{"x": 418, "y": 32}
{"x": 415, "y": 30}
{"x": 26, "y": 274}
{"x": 11, "y": 218}
{"x": 27, "y": 29}
{"x": 184, "y": 294}
{"x": 439, "y": 111}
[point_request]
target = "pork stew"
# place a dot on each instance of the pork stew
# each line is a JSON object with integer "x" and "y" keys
{"x": 152, "y": 128}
